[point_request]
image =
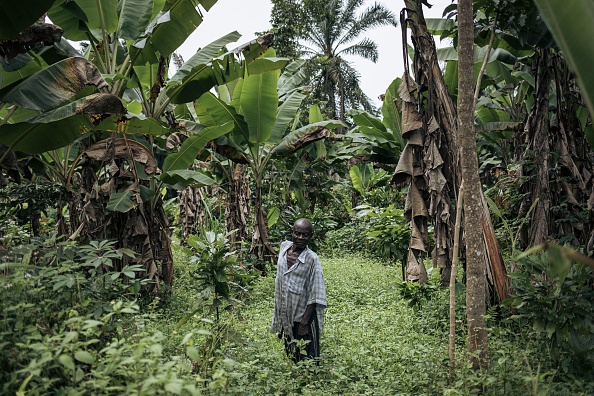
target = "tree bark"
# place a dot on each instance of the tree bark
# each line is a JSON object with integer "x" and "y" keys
{"x": 475, "y": 249}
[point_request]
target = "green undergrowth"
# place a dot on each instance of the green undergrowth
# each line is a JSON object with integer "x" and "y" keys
{"x": 375, "y": 342}
{"x": 371, "y": 342}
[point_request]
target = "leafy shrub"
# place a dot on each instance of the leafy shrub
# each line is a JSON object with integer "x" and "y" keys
{"x": 70, "y": 327}
{"x": 350, "y": 238}
{"x": 555, "y": 300}
{"x": 387, "y": 230}
{"x": 215, "y": 269}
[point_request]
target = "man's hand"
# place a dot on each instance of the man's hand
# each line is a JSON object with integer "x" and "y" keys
{"x": 303, "y": 329}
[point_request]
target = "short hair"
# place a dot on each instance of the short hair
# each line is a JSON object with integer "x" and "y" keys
{"x": 305, "y": 223}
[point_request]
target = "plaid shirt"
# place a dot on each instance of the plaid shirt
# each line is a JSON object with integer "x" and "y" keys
{"x": 296, "y": 288}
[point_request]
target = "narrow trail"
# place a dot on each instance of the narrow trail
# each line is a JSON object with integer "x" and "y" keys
{"x": 372, "y": 343}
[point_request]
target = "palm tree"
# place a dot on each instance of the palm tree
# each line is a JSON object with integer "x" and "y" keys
{"x": 334, "y": 30}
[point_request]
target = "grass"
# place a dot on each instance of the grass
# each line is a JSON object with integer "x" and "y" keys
{"x": 374, "y": 343}
{"x": 371, "y": 342}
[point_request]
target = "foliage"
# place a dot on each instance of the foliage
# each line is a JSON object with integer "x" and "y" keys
{"x": 554, "y": 300}
{"x": 330, "y": 30}
{"x": 348, "y": 239}
{"x": 570, "y": 27}
{"x": 70, "y": 327}
{"x": 374, "y": 343}
{"x": 388, "y": 231}
{"x": 215, "y": 268}
{"x": 26, "y": 202}
{"x": 321, "y": 219}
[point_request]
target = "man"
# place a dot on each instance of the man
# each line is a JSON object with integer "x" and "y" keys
{"x": 300, "y": 295}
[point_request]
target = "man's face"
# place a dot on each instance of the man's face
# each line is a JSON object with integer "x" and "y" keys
{"x": 301, "y": 235}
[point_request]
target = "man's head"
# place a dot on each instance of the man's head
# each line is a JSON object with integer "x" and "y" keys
{"x": 302, "y": 231}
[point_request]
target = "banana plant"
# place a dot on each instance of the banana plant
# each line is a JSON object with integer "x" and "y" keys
{"x": 381, "y": 139}
{"x": 131, "y": 103}
{"x": 262, "y": 108}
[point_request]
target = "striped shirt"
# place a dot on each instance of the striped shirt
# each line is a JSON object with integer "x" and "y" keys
{"x": 296, "y": 288}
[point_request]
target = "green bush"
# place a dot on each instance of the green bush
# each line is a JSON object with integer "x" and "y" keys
{"x": 70, "y": 326}
{"x": 555, "y": 301}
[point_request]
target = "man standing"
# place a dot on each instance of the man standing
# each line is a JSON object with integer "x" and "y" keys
{"x": 300, "y": 294}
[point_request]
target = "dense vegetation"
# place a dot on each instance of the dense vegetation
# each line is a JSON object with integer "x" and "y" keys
{"x": 67, "y": 329}
{"x": 142, "y": 199}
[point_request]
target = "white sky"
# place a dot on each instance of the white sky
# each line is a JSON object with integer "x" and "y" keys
{"x": 250, "y": 16}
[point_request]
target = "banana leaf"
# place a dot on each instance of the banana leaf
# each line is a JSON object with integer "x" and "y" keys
{"x": 16, "y": 16}
{"x": 54, "y": 85}
{"x": 212, "y": 111}
{"x": 135, "y": 16}
{"x": 285, "y": 114}
{"x": 304, "y": 136}
{"x": 183, "y": 178}
{"x": 184, "y": 18}
{"x": 192, "y": 146}
{"x": 259, "y": 101}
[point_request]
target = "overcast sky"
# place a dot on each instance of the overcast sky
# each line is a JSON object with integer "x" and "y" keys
{"x": 250, "y": 16}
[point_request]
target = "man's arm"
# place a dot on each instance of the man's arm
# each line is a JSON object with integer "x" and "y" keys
{"x": 303, "y": 329}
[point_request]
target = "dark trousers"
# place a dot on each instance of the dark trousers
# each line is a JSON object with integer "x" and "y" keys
{"x": 311, "y": 348}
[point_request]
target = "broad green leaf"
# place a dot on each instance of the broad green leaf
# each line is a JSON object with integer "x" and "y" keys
{"x": 8, "y": 77}
{"x": 183, "y": 178}
{"x": 212, "y": 111}
{"x": 174, "y": 387}
{"x": 286, "y": 113}
{"x": 356, "y": 179}
{"x": 66, "y": 361}
{"x": 192, "y": 353}
{"x": 368, "y": 133}
{"x": 363, "y": 118}
{"x": 192, "y": 89}
{"x": 121, "y": 202}
{"x": 70, "y": 17}
{"x": 132, "y": 125}
{"x": 259, "y": 101}
{"x": 101, "y": 15}
{"x": 391, "y": 112}
{"x": 16, "y": 16}
{"x": 52, "y": 86}
{"x": 451, "y": 78}
{"x": 304, "y": 136}
{"x": 183, "y": 19}
{"x": 39, "y": 137}
{"x": 263, "y": 65}
{"x": 192, "y": 146}
{"x": 315, "y": 114}
{"x": 84, "y": 356}
{"x": 203, "y": 56}
{"x": 436, "y": 26}
{"x": 291, "y": 78}
{"x": 135, "y": 16}
{"x": 273, "y": 215}
{"x": 572, "y": 28}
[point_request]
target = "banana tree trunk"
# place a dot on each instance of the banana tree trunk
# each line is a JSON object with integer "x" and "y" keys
{"x": 260, "y": 243}
{"x": 537, "y": 152}
{"x": 238, "y": 210}
{"x": 143, "y": 228}
{"x": 432, "y": 150}
{"x": 191, "y": 211}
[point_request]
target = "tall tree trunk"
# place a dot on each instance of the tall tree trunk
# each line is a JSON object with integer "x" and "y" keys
{"x": 475, "y": 249}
